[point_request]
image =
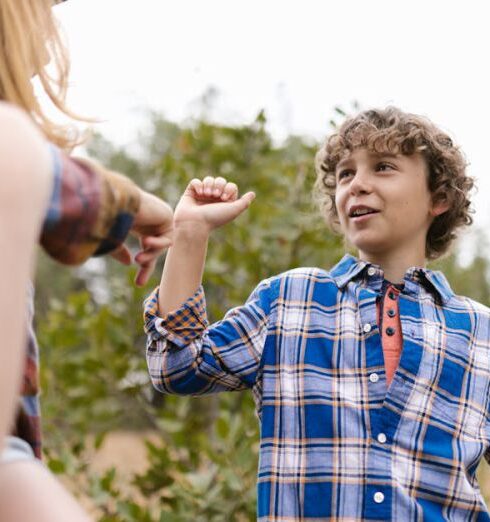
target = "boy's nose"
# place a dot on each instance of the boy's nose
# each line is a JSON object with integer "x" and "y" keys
{"x": 361, "y": 183}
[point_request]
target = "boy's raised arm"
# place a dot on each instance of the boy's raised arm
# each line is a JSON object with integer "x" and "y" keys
{"x": 204, "y": 206}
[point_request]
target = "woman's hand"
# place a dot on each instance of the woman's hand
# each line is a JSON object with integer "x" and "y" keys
{"x": 153, "y": 225}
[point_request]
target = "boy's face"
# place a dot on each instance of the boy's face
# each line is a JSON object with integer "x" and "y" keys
{"x": 384, "y": 204}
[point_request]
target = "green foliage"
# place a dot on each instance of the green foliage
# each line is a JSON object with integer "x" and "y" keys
{"x": 472, "y": 280}
{"x": 94, "y": 380}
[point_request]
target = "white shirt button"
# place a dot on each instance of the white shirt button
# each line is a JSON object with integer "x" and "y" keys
{"x": 381, "y": 438}
{"x": 367, "y": 328}
{"x": 374, "y": 377}
{"x": 371, "y": 271}
{"x": 378, "y": 497}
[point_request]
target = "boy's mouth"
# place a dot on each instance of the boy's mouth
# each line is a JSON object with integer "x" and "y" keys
{"x": 357, "y": 211}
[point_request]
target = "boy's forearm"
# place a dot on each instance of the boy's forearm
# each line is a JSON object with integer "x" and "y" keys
{"x": 205, "y": 206}
{"x": 184, "y": 267}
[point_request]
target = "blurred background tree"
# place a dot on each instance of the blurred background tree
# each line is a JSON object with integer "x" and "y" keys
{"x": 202, "y": 453}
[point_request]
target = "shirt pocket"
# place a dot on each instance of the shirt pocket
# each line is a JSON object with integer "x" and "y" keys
{"x": 461, "y": 388}
{"x": 466, "y": 416}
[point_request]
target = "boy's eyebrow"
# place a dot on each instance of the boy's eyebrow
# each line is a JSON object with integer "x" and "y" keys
{"x": 342, "y": 162}
{"x": 380, "y": 155}
{"x": 386, "y": 155}
{"x": 374, "y": 155}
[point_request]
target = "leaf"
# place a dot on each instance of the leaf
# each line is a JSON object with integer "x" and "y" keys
{"x": 223, "y": 427}
{"x": 170, "y": 425}
{"x": 56, "y": 466}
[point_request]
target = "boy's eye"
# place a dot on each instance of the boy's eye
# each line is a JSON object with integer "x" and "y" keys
{"x": 383, "y": 167}
{"x": 344, "y": 174}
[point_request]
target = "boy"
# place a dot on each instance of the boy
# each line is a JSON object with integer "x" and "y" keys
{"x": 353, "y": 427}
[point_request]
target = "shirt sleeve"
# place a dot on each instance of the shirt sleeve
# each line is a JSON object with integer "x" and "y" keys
{"x": 185, "y": 355}
{"x": 90, "y": 212}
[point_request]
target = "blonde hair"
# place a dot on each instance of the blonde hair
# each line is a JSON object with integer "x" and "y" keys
{"x": 29, "y": 37}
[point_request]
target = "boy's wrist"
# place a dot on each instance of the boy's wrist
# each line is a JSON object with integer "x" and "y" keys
{"x": 191, "y": 230}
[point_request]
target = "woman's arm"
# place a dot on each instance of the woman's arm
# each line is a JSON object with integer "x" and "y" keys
{"x": 92, "y": 210}
{"x": 25, "y": 184}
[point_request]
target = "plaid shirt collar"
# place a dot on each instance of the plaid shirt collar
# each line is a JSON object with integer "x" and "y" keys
{"x": 350, "y": 268}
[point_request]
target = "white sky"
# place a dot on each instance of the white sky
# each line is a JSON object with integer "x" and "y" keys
{"x": 297, "y": 59}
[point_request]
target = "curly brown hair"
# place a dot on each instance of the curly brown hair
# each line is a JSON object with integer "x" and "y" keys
{"x": 394, "y": 131}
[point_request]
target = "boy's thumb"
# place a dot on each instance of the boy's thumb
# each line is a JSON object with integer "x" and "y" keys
{"x": 241, "y": 204}
{"x": 248, "y": 198}
{"x": 244, "y": 202}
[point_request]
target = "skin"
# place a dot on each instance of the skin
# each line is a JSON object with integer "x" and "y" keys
{"x": 396, "y": 187}
{"x": 24, "y": 196}
{"x": 153, "y": 226}
{"x": 27, "y": 490}
{"x": 204, "y": 206}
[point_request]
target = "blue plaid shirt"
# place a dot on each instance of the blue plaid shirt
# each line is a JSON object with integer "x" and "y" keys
{"x": 336, "y": 444}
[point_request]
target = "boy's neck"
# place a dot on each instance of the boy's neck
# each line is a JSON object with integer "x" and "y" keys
{"x": 396, "y": 265}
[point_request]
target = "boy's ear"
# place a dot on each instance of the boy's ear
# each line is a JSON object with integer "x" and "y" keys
{"x": 439, "y": 206}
